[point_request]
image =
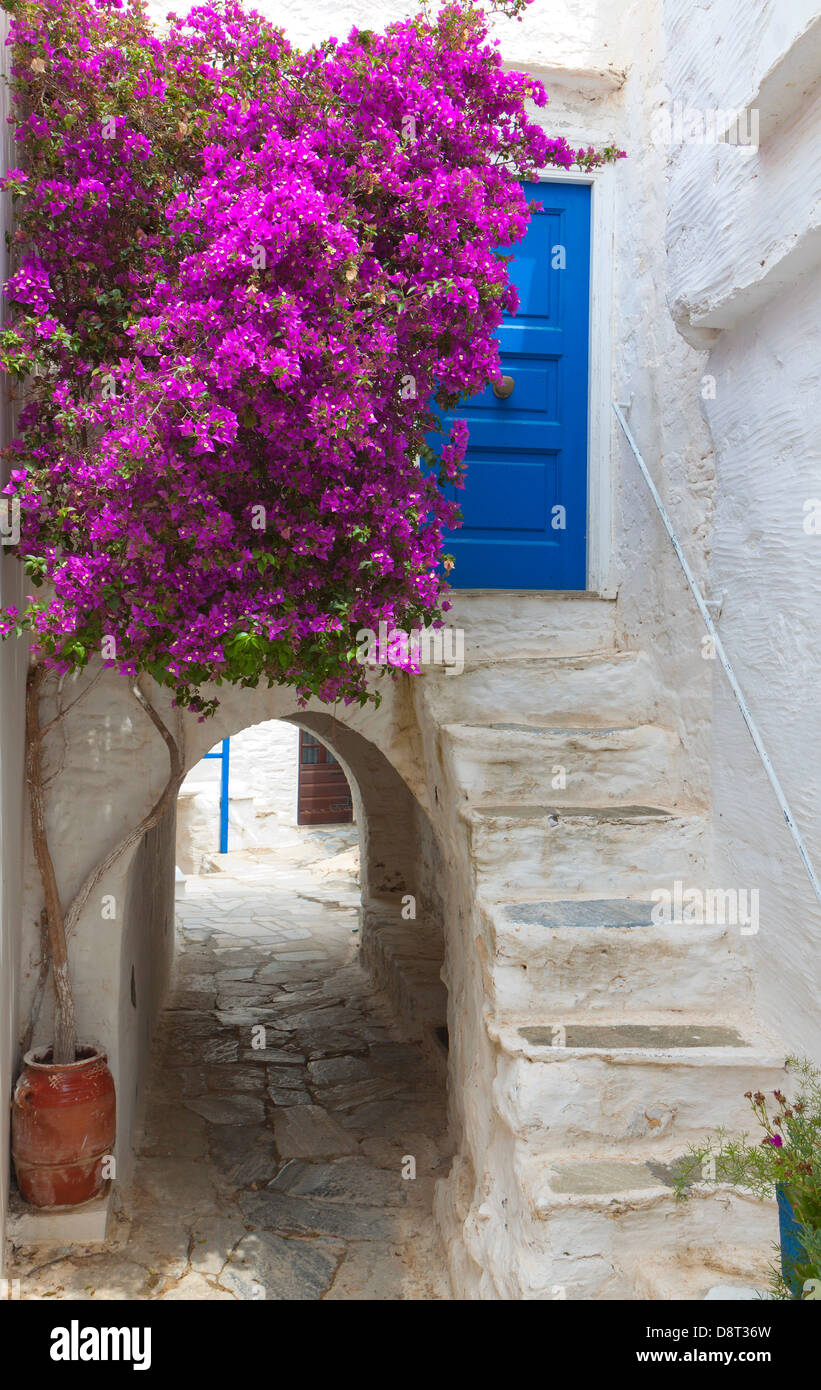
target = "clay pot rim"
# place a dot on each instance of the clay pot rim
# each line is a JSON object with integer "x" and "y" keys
{"x": 34, "y": 1058}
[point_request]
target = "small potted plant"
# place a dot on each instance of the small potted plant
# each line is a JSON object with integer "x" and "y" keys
{"x": 785, "y": 1161}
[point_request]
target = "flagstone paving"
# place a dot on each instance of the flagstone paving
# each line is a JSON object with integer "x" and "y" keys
{"x": 283, "y": 1110}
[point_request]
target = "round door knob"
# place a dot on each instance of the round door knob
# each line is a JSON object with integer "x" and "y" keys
{"x": 504, "y": 388}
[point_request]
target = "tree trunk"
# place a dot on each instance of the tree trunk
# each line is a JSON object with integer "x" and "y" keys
{"x": 65, "y": 1026}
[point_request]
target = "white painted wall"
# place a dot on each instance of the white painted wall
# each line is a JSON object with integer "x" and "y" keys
{"x": 262, "y": 796}
{"x": 745, "y": 263}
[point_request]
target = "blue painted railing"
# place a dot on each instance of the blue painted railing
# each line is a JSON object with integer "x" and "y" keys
{"x": 224, "y": 756}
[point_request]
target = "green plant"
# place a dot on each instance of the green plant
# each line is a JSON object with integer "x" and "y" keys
{"x": 787, "y": 1157}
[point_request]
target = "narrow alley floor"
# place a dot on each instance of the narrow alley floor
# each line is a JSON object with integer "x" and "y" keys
{"x": 282, "y": 1110}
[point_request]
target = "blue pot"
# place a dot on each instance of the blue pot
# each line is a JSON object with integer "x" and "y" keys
{"x": 792, "y": 1251}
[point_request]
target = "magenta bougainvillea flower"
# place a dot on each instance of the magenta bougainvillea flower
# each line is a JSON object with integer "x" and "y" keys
{"x": 244, "y": 276}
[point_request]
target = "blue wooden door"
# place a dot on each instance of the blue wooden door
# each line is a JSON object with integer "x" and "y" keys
{"x": 525, "y": 500}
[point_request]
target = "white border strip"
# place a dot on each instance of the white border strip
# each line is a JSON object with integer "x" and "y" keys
{"x": 602, "y": 185}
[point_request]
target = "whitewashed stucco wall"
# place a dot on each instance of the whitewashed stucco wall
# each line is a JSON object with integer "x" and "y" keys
{"x": 744, "y": 264}
{"x": 264, "y": 762}
{"x": 262, "y": 796}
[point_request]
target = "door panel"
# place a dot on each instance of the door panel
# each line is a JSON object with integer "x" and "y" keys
{"x": 323, "y": 794}
{"x": 525, "y": 501}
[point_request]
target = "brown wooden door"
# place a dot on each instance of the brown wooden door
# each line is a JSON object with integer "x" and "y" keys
{"x": 323, "y": 796}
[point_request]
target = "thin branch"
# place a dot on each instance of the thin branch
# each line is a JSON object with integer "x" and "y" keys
{"x": 62, "y": 710}
{"x": 58, "y": 761}
{"x": 152, "y": 818}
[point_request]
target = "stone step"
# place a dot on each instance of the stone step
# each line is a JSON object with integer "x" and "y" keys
{"x": 607, "y": 956}
{"x": 596, "y": 1225}
{"x": 503, "y": 623}
{"x": 567, "y": 1084}
{"x": 525, "y": 851}
{"x": 574, "y": 765}
{"x": 601, "y": 690}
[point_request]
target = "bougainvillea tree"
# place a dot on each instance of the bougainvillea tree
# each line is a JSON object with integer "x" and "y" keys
{"x": 245, "y": 276}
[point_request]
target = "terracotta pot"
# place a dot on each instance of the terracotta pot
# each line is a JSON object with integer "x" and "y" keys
{"x": 62, "y": 1127}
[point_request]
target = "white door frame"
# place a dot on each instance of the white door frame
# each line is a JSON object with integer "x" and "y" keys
{"x": 599, "y": 421}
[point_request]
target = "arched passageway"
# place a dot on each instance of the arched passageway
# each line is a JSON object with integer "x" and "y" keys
{"x": 416, "y": 875}
{"x": 293, "y": 1123}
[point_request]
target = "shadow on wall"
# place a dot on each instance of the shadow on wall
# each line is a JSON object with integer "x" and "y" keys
{"x": 403, "y": 942}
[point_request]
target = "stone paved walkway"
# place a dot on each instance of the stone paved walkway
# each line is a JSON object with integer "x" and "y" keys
{"x": 274, "y": 1171}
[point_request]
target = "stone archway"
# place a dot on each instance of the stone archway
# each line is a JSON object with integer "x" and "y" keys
{"x": 415, "y": 793}
{"x": 400, "y": 876}
{"x": 285, "y": 1096}
{"x": 114, "y": 767}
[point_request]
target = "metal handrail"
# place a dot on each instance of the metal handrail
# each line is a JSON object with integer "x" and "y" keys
{"x": 718, "y": 647}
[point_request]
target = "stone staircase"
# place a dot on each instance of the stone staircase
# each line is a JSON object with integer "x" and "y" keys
{"x": 612, "y": 1042}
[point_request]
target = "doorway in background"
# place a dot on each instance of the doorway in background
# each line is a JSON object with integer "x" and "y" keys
{"x": 323, "y": 794}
